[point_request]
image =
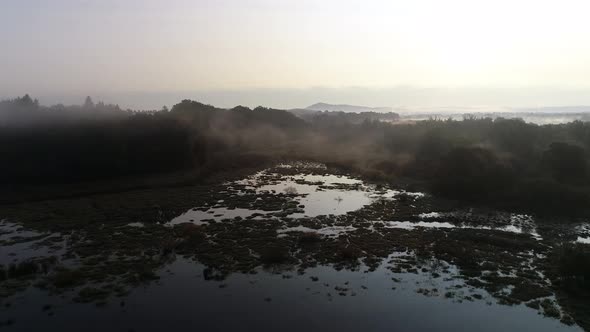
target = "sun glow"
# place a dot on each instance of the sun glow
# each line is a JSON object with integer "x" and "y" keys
{"x": 231, "y": 44}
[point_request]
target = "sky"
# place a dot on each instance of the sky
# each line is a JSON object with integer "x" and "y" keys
{"x": 280, "y": 53}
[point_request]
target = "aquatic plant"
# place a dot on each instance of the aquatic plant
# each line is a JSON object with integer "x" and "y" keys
{"x": 291, "y": 191}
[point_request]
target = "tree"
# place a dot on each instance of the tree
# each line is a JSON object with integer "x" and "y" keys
{"x": 27, "y": 101}
{"x": 88, "y": 103}
{"x": 566, "y": 162}
{"x": 472, "y": 173}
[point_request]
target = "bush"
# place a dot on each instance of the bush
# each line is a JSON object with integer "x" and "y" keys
{"x": 574, "y": 264}
{"x": 22, "y": 269}
{"x": 566, "y": 162}
{"x": 191, "y": 232}
{"x": 309, "y": 238}
{"x": 472, "y": 174}
{"x": 274, "y": 255}
{"x": 66, "y": 278}
{"x": 347, "y": 253}
{"x": 291, "y": 191}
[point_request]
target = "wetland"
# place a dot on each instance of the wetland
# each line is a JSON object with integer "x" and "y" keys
{"x": 296, "y": 245}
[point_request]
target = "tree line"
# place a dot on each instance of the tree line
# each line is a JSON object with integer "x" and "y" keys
{"x": 501, "y": 162}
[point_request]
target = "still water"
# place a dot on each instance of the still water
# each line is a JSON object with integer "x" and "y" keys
{"x": 184, "y": 301}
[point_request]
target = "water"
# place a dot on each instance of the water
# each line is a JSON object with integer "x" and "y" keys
{"x": 316, "y": 195}
{"x": 512, "y": 223}
{"x": 328, "y": 194}
{"x": 183, "y": 301}
{"x": 321, "y": 194}
{"x": 409, "y": 225}
{"x": 413, "y": 225}
{"x": 334, "y": 231}
{"x": 322, "y": 201}
{"x": 584, "y": 234}
{"x": 199, "y": 217}
{"x": 18, "y": 244}
{"x": 325, "y": 297}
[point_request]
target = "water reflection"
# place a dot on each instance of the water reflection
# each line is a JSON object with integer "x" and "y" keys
{"x": 583, "y": 232}
{"x": 315, "y": 194}
{"x": 331, "y": 300}
{"x": 19, "y": 244}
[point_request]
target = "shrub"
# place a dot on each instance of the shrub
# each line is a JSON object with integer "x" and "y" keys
{"x": 274, "y": 255}
{"x": 574, "y": 264}
{"x": 347, "y": 253}
{"x": 191, "y": 232}
{"x": 472, "y": 174}
{"x": 291, "y": 191}
{"x": 566, "y": 162}
{"x": 309, "y": 238}
{"x": 67, "y": 278}
{"x": 22, "y": 269}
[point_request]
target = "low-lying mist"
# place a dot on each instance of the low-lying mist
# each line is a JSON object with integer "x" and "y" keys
{"x": 502, "y": 162}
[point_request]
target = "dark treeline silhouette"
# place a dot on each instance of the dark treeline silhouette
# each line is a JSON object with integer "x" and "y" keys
{"x": 501, "y": 162}
{"x": 93, "y": 150}
{"x": 26, "y": 112}
{"x": 338, "y": 117}
{"x": 62, "y": 144}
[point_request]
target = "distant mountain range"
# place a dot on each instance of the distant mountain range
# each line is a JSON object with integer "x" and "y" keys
{"x": 347, "y": 108}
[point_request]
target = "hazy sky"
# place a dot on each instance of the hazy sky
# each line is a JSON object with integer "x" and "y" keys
{"x": 232, "y": 50}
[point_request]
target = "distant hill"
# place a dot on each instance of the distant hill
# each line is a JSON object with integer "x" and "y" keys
{"x": 347, "y": 108}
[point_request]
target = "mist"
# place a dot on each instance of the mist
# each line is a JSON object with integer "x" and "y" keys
{"x": 414, "y": 99}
